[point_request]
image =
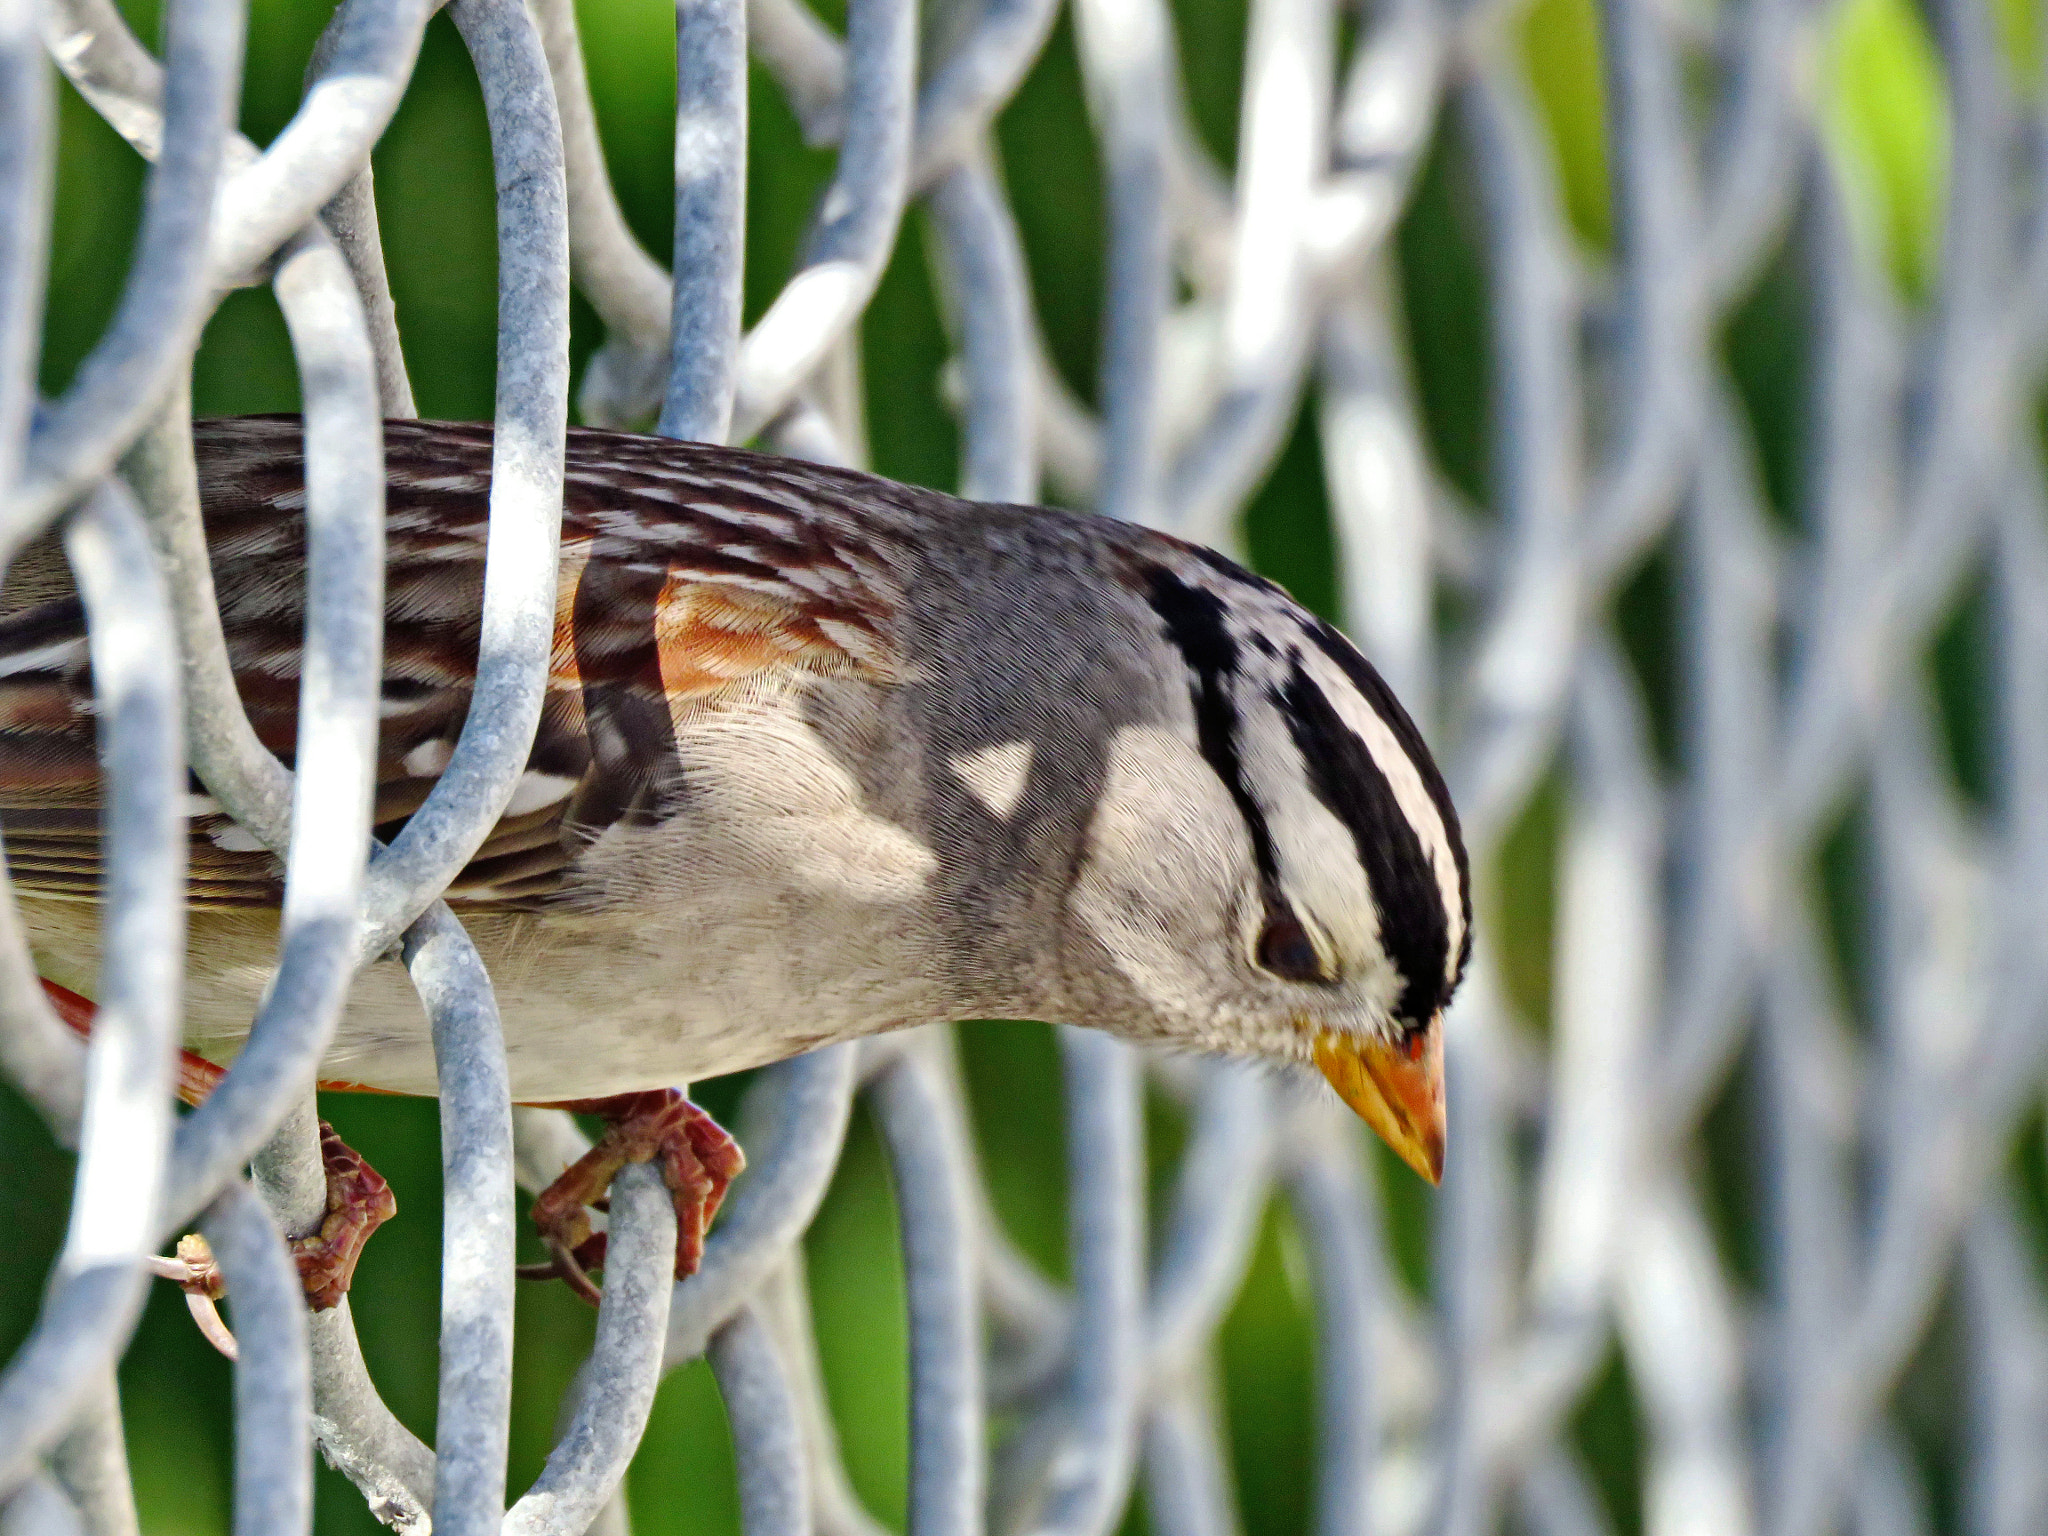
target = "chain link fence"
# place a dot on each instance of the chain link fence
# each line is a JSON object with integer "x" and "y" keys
{"x": 1693, "y": 944}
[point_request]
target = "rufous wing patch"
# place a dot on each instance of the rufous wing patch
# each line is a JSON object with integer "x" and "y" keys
{"x": 710, "y": 635}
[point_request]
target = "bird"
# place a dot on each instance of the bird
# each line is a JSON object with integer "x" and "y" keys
{"x": 821, "y": 755}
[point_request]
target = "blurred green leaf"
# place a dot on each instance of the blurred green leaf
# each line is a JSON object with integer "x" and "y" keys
{"x": 1885, "y": 114}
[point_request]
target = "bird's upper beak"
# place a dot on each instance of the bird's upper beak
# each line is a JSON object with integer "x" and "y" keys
{"x": 1397, "y": 1088}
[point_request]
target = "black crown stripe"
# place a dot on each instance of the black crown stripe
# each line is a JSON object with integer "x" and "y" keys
{"x": 1194, "y": 623}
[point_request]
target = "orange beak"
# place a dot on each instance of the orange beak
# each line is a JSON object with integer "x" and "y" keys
{"x": 1397, "y": 1089}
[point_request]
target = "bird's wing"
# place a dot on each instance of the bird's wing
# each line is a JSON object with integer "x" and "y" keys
{"x": 687, "y": 572}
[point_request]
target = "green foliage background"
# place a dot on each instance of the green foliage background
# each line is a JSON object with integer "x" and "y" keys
{"x": 1883, "y": 106}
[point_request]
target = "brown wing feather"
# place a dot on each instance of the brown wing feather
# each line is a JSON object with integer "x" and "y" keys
{"x": 686, "y": 571}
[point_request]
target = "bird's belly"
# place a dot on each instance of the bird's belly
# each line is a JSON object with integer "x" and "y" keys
{"x": 775, "y": 909}
{"x": 592, "y": 1003}
{"x": 597, "y": 1004}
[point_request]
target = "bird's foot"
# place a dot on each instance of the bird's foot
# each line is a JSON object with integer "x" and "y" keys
{"x": 358, "y": 1203}
{"x": 698, "y": 1161}
{"x": 193, "y": 1270}
{"x": 358, "y": 1200}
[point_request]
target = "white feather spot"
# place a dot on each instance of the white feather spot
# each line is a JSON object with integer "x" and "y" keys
{"x": 426, "y": 760}
{"x": 45, "y": 658}
{"x": 535, "y": 790}
{"x": 995, "y": 775}
{"x": 233, "y": 838}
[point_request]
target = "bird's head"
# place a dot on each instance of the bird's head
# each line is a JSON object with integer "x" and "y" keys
{"x": 1276, "y": 869}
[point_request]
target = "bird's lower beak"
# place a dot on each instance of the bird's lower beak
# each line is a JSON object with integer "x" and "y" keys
{"x": 1397, "y": 1089}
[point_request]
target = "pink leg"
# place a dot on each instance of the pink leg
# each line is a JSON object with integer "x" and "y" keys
{"x": 196, "y": 1075}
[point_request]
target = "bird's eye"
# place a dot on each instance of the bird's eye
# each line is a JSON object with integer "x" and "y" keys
{"x": 1286, "y": 950}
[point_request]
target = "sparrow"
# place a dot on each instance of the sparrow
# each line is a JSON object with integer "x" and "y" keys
{"x": 821, "y": 755}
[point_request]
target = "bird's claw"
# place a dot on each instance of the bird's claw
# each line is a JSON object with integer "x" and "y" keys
{"x": 358, "y": 1202}
{"x": 195, "y": 1272}
{"x": 698, "y": 1162}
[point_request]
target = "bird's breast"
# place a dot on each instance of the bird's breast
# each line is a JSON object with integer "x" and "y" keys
{"x": 784, "y": 901}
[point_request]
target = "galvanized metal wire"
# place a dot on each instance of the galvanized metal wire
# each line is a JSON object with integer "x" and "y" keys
{"x": 1689, "y": 939}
